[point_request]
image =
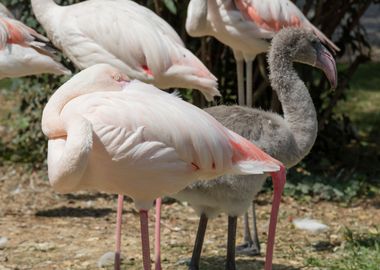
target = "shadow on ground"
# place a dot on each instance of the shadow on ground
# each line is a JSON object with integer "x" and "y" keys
{"x": 75, "y": 212}
{"x": 90, "y": 196}
{"x": 246, "y": 263}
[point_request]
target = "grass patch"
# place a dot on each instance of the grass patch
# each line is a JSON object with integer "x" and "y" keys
{"x": 362, "y": 103}
{"x": 359, "y": 251}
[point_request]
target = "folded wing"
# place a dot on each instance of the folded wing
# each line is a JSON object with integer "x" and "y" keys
{"x": 273, "y": 15}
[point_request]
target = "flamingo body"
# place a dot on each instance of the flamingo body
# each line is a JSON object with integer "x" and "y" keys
{"x": 141, "y": 142}
{"x": 244, "y": 25}
{"x": 128, "y": 36}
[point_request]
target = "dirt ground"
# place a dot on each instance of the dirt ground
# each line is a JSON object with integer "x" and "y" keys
{"x": 50, "y": 231}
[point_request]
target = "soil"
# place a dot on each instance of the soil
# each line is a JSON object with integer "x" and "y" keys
{"x": 46, "y": 230}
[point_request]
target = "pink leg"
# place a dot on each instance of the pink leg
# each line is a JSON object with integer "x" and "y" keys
{"x": 119, "y": 214}
{"x": 157, "y": 233}
{"x": 279, "y": 179}
{"x": 145, "y": 239}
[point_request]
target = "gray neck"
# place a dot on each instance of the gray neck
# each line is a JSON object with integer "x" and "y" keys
{"x": 298, "y": 107}
{"x": 196, "y": 21}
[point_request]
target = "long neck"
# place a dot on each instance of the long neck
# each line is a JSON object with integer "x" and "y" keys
{"x": 68, "y": 158}
{"x": 196, "y": 21}
{"x": 45, "y": 11}
{"x": 298, "y": 107}
{"x": 52, "y": 125}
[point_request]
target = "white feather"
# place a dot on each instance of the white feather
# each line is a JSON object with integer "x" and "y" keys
{"x": 310, "y": 225}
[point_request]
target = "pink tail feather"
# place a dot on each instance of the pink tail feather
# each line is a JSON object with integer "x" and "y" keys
{"x": 250, "y": 159}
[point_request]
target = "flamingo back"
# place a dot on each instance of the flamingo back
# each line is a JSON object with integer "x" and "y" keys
{"x": 132, "y": 39}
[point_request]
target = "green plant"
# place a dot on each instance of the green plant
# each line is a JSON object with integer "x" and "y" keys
{"x": 360, "y": 251}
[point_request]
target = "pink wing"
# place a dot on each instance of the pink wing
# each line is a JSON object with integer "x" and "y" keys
{"x": 246, "y": 150}
{"x": 15, "y": 32}
{"x": 273, "y": 15}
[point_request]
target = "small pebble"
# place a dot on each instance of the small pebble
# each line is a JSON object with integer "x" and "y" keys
{"x": 44, "y": 247}
{"x": 3, "y": 242}
{"x": 16, "y": 190}
{"x": 107, "y": 259}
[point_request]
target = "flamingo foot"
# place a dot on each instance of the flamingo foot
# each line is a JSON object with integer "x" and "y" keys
{"x": 249, "y": 249}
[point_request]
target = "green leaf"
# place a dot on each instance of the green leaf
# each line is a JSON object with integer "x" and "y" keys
{"x": 170, "y": 5}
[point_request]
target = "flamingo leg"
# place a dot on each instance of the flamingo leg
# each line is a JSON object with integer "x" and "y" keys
{"x": 279, "y": 179}
{"x": 249, "y": 89}
{"x": 196, "y": 256}
{"x": 240, "y": 77}
{"x": 119, "y": 214}
{"x": 145, "y": 239}
{"x": 157, "y": 245}
{"x": 247, "y": 236}
{"x": 251, "y": 244}
{"x": 230, "y": 263}
{"x": 247, "y": 230}
{"x": 255, "y": 247}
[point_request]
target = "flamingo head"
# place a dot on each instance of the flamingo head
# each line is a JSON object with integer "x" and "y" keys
{"x": 102, "y": 75}
{"x": 302, "y": 45}
{"x": 309, "y": 50}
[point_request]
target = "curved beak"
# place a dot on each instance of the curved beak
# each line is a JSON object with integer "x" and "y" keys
{"x": 325, "y": 61}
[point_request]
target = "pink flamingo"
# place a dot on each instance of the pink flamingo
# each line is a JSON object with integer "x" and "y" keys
{"x": 245, "y": 26}
{"x": 23, "y": 51}
{"x": 126, "y": 137}
{"x": 130, "y": 37}
{"x": 125, "y": 35}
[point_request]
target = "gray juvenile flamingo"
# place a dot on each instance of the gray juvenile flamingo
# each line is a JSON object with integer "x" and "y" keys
{"x": 287, "y": 138}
